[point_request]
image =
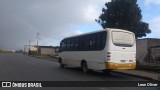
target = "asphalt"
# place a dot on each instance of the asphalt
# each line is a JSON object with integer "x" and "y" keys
{"x": 141, "y": 74}
{"x": 16, "y": 67}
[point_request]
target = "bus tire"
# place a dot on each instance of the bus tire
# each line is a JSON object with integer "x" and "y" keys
{"x": 84, "y": 67}
{"x": 61, "y": 64}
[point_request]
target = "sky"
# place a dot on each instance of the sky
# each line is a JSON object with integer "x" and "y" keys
{"x": 21, "y": 20}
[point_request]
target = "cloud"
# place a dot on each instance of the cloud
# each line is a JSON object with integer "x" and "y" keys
{"x": 90, "y": 13}
{"x": 149, "y": 2}
{"x": 21, "y": 20}
{"x": 154, "y": 24}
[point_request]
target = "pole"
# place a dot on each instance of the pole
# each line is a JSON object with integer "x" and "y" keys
{"x": 37, "y": 41}
{"x": 24, "y": 49}
{"x": 29, "y": 47}
{"x": 29, "y": 44}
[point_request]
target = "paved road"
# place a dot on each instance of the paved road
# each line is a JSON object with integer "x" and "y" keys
{"x": 15, "y": 67}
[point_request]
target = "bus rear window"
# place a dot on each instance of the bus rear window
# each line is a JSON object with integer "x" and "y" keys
{"x": 123, "y": 39}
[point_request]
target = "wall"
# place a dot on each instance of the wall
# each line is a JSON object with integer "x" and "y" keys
{"x": 47, "y": 51}
{"x": 148, "y": 52}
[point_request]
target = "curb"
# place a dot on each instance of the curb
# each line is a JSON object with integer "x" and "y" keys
{"x": 143, "y": 77}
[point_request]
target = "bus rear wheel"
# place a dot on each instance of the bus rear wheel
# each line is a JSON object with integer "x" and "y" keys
{"x": 84, "y": 67}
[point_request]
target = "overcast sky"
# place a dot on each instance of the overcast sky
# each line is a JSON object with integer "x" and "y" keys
{"x": 21, "y": 20}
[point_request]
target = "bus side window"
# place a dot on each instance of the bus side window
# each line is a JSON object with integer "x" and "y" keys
{"x": 98, "y": 46}
{"x": 62, "y": 46}
{"x": 103, "y": 39}
{"x": 74, "y": 48}
{"x": 92, "y": 42}
{"x": 76, "y": 44}
{"x": 81, "y": 43}
{"x": 72, "y": 45}
{"x": 68, "y": 45}
{"x": 86, "y": 43}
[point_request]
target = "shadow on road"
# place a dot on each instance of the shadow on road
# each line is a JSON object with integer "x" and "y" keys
{"x": 105, "y": 76}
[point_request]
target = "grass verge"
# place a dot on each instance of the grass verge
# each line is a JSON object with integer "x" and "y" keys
{"x": 4, "y": 52}
{"x": 46, "y": 57}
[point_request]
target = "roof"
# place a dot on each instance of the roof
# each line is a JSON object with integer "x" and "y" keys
{"x": 111, "y": 29}
{"x": 47, "y": 46}
{"x": 149, "y": 39}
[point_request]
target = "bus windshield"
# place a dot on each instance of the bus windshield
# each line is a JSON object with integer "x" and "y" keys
{"x": 123, "y": 39}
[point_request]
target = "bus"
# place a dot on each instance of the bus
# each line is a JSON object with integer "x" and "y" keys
{"x": 103, "y": 50}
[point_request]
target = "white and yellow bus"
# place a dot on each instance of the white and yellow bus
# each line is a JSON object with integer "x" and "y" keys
{"x": 106, "y": 49}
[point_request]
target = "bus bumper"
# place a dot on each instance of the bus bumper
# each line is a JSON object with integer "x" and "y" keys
{"x": 110, "y": 65}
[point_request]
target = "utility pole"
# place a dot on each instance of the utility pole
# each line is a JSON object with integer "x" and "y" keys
{"x": 29, "y": 44}
{"x": 25, "y": 46}
{"x": 24, "y": 49}
{"x": 37, "y": 41}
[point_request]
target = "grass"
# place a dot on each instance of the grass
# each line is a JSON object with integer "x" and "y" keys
{"x": 4, "y": 52}
{"x": 46, "y": 57}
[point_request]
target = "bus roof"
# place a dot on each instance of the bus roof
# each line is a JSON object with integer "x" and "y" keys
{"x": 111, "y": 29}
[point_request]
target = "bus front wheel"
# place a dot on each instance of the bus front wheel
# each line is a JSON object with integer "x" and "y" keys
{"x": 84, "y": 67}
{"x": 61, "y": 64}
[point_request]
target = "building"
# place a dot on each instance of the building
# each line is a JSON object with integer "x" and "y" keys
{"x": 48, "y": 50}
{"x": 148, "y": 51}
{"x": 32, "y": 50}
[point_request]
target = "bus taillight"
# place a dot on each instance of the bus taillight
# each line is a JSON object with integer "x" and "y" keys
{"x": 108, "y": 55}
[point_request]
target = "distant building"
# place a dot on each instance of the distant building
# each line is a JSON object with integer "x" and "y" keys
{"x": 48, "y": 50}
{"x": 32, "y": 50}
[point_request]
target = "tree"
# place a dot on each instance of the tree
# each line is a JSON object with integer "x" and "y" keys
{"x": 124, "y": 14}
